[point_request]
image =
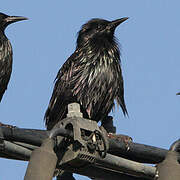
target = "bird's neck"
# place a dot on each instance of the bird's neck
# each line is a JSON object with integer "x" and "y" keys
{"x": 99, "y": 50}
{"x": 103, "y": 46}
{"x": 4, "y": 41}
{"x": 2, "y": 35}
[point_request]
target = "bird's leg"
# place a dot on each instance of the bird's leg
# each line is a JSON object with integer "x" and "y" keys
{"x": 6, "y": 125}
{"x": 107, "y": 123}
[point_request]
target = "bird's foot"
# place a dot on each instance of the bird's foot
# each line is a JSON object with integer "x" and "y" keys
{"x": 120, "y": 137}
{"x": 107, "y": 123}
{"x": 6, "y": 125}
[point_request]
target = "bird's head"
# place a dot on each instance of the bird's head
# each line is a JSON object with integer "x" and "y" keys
{"x": 5, "y": 20}
{"x": 98, "y": 28}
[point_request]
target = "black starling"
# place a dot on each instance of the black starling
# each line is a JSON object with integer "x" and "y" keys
{"x": 91, "y": 76}
{"x": 6, "y": 51}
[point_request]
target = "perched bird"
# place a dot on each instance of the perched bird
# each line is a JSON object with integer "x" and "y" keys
{"x": 91, "y": 76}
{"x": 6, "y": 51}
{"x": 178, "y": 93}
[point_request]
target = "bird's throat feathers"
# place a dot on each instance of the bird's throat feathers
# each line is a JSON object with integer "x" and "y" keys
{"x": 100, "y": 48}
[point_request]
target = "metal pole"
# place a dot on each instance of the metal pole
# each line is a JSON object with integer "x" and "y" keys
{"x": 169, "y": 169}
{"x": 42, "y": 162}
{"x": 115, "y": 163}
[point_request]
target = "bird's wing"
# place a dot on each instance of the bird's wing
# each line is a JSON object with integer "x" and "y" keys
{"x": 62, "y": 92}
{"x": 5, "y": 66}
{"x": 120, "y": 93}
{"x": 90, "y": 84}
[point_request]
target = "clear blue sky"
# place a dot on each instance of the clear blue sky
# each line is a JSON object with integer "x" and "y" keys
{"x": 150, "y": 44}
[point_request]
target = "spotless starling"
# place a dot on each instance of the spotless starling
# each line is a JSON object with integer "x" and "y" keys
{"x": 91, "y": 76}
{"x": 6, "y": 52}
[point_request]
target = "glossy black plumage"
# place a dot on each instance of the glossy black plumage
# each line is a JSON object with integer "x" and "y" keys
{"x": 91, "y": 76}
{"x": 6, "y": 51}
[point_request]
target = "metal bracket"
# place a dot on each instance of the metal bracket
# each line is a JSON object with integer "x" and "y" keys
{"x": 76, "y": 123}
{"x": 88, "y": 140}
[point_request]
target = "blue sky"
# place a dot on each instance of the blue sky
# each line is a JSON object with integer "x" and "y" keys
{"x": 150, "y": 62}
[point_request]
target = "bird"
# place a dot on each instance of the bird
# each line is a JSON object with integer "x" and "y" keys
{"x": 6, "y": 53}
{"x": 178, "y": 93}
{"x": 91, "y": 76}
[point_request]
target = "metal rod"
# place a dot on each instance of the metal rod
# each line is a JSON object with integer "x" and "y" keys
{"x": 15, "y": 151}
{"x": 100, "y": 173}
{"x": 32, "y": 136}
{"x": 137, "y": 152}
{"x": 42, "y": 162}
{"x": 126, "y": 166}
{"x": 111, "y": 162}
{"x": 25, "y": 145}
{"x": 29, "y": 136}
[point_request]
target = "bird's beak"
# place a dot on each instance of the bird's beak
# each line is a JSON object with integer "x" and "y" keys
{"x": 12, "y": 19}
{"x": 117, "y": 22}
{"x": 178, "y": 93}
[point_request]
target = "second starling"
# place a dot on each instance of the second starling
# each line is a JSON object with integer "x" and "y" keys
{"x": 6, "y": 54}
{"x": 6, "y": 51}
